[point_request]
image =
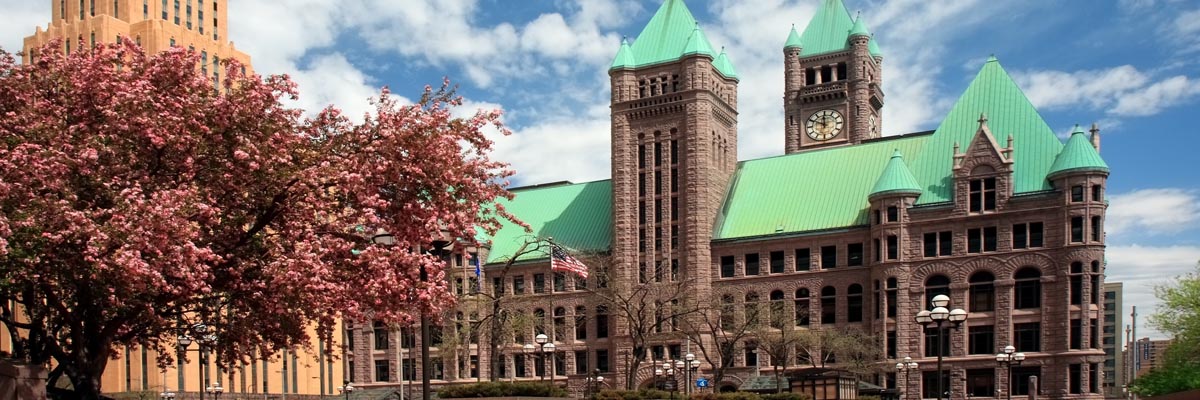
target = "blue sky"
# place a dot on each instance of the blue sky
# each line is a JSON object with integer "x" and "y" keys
{"x": 1126, "y": 64}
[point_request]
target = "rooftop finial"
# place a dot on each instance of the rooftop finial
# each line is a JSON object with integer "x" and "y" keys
{"x": 1095, "y": 128}
{"x": 983, "y": 119}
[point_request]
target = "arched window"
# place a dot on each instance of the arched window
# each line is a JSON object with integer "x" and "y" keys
{"x": 380, "y": 333}
{"x": 983, "y": 291}
{"x": 601, "y": 321}
{"x": 1096, "y": 285}
{"x": 935, "y": 285}
{"x": 802, "y": 306}
{"x": 854, "y": 303}
{"x": 1076, "y": 283}
{"x": 560, "y": 322}
{"x": 828, "y": 305}
{"x": 580, "y": 323}
{"x": 728, "y": 313}
{"x": 539, "y": 321}
{"x": 1027, "y": 292}
{"x": 752, "y": 309}
{"x": 778, "y": 310}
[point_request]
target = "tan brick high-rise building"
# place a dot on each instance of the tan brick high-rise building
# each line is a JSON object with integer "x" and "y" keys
{"x": 848, "y": 229}
{"x": 156, "y": 25}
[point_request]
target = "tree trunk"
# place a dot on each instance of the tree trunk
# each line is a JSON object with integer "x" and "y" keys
{"x": 87, "y": 386}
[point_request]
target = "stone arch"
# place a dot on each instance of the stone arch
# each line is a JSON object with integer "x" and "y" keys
{"x": 916, "y": 281}
{"x": 993, "y": 265}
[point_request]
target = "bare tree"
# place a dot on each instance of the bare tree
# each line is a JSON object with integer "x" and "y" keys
{"x": 717, "y": 329}
{"x": 778, "y": 337}
{"x": 653, "y": 308}
{"x": 852, "y": 349}
{"x": 503, "y": 318}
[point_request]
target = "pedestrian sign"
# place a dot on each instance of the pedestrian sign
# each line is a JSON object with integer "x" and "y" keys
{"x": 701, "y": 383}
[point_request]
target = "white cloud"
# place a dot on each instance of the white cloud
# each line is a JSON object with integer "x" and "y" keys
{"x": 21, "y": 19}
{"x": 1188, "y": 23}
{"x": 1121, "y": 91}
{"x": 1152, "y": 211}
{"x": 1141, "y": 269}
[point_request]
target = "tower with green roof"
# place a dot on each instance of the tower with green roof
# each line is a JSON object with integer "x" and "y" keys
{"x": 832, "y": 81}
{"x": 674, "y": 144}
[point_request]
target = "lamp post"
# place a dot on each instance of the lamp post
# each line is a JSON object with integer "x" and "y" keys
{"x": 940, "y": 317}
{"x": 215, "y": 390}
{"x": 693, "y": 367}
{"x": 167, "y": 395}
{"x": 204, "y": 340}
{"x": 346, "y": 388}
{"x": 548, "y": 353}
{"x": 1006, "y": 360}
{"x": 594, "y": 380}
{"x": 670, "y": 377}
{"x": 541, "y": 340}
{"x": 906, "y": 367}
{"x": 527, "y": 350}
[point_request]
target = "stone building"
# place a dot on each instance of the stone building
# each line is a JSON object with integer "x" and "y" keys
{"x": 848, "y": 229}
{"x": 156, "y": 25}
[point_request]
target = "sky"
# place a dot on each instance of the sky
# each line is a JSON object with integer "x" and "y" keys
{"x": 1128, "y": 65}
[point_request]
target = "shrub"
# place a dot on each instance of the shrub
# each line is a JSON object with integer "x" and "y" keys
{"x": 501, "y": 389}
{"x": 794, "y": 396}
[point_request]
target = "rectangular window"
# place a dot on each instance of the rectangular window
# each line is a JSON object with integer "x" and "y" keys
{"x": 828, "y": 257}
{"x": 641, "y": 212}
{"x": 560, "y": 282}
{"x": 1076, "y": 378}
{"x": 200, "y": 16}
{"x": 1095, "y": 334}
{"x": 1094, "y": 375}
{"x": 189, "y": 14}
{"x": 931, "y": 244}
{"x": 658, "y": 182}
{"x": 539, "y": 283}
{"x": 674, "y": 208}
{"x": 641, "y": 156}
{"x": 1076, "y": 334}
{"x": 929, "y": 384}
{"x": 164, "y": 10}
{"x": 518, "y": 366}
{"x": 1076, "y": 290}
{"x": 601, "y": 326}
{"x": 982, "y": 196}
{"x": 674, "y": 180}
{"x": 803, "y": 260}
{"x": 145, "y": 9}
{"x": 176, "y": 12}
{"x": 751, "y": 356}
{"x": 981, "y": 382}
{"x": 891, "y": 344}
{"x": 1028, "y": 336}
{"x": 893, "y": 247}
{"x": 497, "y": 286}
{"x": 974, "y": 240}
{"x": 408, "y": 338}
{"x": 1077, "y": 194}
{"x": 674, "y": 152}
{"x": 642, "y": 184}
{"x": 657, "y": 154}
{"x": 581, "y": 362}
{"x": 1020, "y": 236}
{"x": 580, "y": 324}
{"x": 381, "y": 337}
{"x": 1076, "y": 229}
{"x": 752, "y": 264}
{"x": 438, "y": 370}
{"x": 602, "y": 360}
{"x": 989, "y": 238}
{"x": 893, "y": 214}
{"x": 560, "y": 363}
{"x": 518, "y": 283}
{"x": 1097, "y": 193}
{"x": 777, "y": 262}
{"x": 854, "y": 254}
{"x": 1096, "y": 229}
{"x": 727, "y": 266}
{"x": 381, "y": 371}
{"x": 982, "y": 340}
{"x": 1020, "y": 379}
{"x": 931, "y": 343}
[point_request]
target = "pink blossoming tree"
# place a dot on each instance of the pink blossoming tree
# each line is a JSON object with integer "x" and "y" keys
{"x": 135, "y": 200}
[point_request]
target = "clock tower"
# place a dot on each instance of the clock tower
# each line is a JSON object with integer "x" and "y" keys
{"x": 832, "y": 76}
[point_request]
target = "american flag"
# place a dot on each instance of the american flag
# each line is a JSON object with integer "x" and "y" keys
{"x": 563, "y": 262}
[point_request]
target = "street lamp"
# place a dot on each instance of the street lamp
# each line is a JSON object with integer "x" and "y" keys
{"x": 1006, "y": 360}
{"x": 215, "y": 390}
{"x": 167, "y": 395}
{"x": 594, "y": 380}
{"x": 906, "y": 367}
{"x": 541, "y": 340}
{"x": 693, "y": 366}
{"x": 548, "y": 348}
{"x": 528, "y": 349}
{"x": 204, "y": 339}
{"x": 939, "y": 316}
{"x": 346, "y": 388}
{"x": 671, "y": 379}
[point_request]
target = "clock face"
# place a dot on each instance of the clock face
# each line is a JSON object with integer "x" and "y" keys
{"x": 825, "y": 125}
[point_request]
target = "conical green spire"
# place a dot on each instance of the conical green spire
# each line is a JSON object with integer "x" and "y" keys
{"x": 828, "y": 30}
{"x": 860, "y": 28}
{"x": 896, "y": 179}
{"x": 724, "y": 66}
{"x": 1077, "y": 156}
{"x": 873, "y": 47}
{"x": 793, "y": 40}
{"x": 624, "y": 57}
{"x": 698, "y": 44}
{"x": 665, "y": 36}
{"x": 1009, "y": 114}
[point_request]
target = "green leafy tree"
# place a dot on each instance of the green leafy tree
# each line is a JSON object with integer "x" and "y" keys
{"x": 1179, "y": 316}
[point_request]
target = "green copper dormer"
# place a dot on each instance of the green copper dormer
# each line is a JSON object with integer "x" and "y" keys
{"x": 724, "y": 66}
{"x": 1078, "y": 155}
{"x": 793, "y": 40}
{"x": 896, "y": 179}
{"x": 698, "y": 44}
{"x": 624, "y": 57}
{"x": 828, "y": 30}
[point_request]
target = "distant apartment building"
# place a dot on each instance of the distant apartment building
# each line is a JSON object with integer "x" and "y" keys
{"x": 1149, "y": 354}
{"x": 1114, "y": 358}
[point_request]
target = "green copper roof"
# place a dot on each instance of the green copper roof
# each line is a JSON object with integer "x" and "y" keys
{"x": 578, "y": 216}
{"x": 793, "y": 39}
{"x": 860, "y": 28}
{"x": 1011, "y": 114}
{"x": 724, "y": 66}
{"x": 828, "y": 30}
{"x": 873, "y": 47}
{"x": 624, "y": 58}
{"x": 812, "y": 190}
{"x": 667, "y": 37}
{"x": 896, "y": 178}
{"x": 698, "y": 44}
{"x": 1078, "y": 155}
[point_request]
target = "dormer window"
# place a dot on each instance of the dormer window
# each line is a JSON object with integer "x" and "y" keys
{"x": 983, "y": 195}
